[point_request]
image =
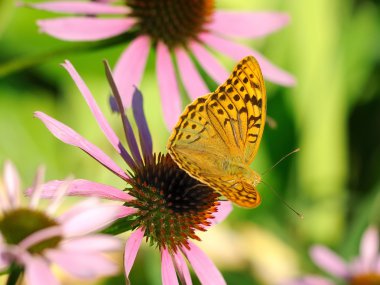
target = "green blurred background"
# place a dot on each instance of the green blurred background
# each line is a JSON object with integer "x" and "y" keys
{"x": 332, "y": 114}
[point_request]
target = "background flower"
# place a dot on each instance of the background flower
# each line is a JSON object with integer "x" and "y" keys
{"x": 34, "y": 239}
{"x": 363, "y": 270}
{"x": 181, "y": 29}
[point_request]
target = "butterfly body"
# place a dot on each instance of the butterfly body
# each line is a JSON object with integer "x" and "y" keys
{"x": 218, "y": 135}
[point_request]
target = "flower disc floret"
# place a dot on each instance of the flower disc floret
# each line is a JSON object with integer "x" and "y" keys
{"x": 171, "y": 204}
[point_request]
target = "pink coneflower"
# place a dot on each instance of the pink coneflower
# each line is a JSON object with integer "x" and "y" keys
{"x": 179, "y": 31}
{"x": 32, "y": 239}
{"x": 363, "y": 270}
{"x": 162, "y": 202}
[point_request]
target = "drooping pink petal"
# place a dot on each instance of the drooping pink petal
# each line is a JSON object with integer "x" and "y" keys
{"x": 168, "y": 274}
{"x": 182, "y": 269}
{"x": 37, "y": 272}
{"x": 84, "y": 265}
{"x": 369, "y": 247}
{"x": 130, "y": 68}
{"x": 193, "y": 82}
{"x": 309, "y": 280}
{"x": 247, "y": 24}
{"x": 238, "y": 51}
{"x": 12, "y": 184}
{"x": 329, "y": 261}
{"x": 92, "y": 243}
{"x": 93, "y": 219}
{"x": 101, "y": 120}
{"x": 69, "y": 136}
{"x": 85, "y": 28}
{"x": 224, "y": 210}
{"x": 76, "y": 7}
{"x": 167, "y": 82}
{"x": 203, "y": 266}
{"x": 209, "y": 63}
{"x": 81, "y": 187}
{"x": 131, "y": 248}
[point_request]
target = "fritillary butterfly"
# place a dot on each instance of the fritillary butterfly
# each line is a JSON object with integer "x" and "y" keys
{"x": 218, "y": 135}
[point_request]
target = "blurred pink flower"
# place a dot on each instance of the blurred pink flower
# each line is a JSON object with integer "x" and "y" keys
{"x": 162, "y": 202}
{"x": 184, "y": 30}
{"x": 34, "y": 239}
{"x": 363, "y": 270}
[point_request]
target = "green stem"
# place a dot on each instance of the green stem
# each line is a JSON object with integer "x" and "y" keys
{"x": 15, "y": 274}
{"x": 32, "y": 60}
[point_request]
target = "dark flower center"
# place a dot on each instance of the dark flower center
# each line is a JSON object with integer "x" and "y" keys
{"x": 171, "y": 204}
{"x": 18, "y": 224}
{"x": 174, "y": 22}
{"x": 371, "y": 278}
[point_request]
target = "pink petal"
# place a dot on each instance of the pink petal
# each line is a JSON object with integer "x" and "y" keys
{"x": 69, "y": 136}
{"x": 82, "y": 265}
{"x": 12, "y": 184}
{"x": 85, "y": 28}
{"x": 224, "y": 210}
{"x": 92, "y": 243}
{"x": 329, "y": 261}
{"x": 238, "y": 51}
{"x": 5, "y": 259}
{"x": 36, "y": 189}
{"x": 78, "y": 208}
{"x": 203, "y": 266}
{"x": 309, "y": 280}
{"x": 90, "y": 220}
{"x": 57, "y": 200}
{"x": 126, "y": 211}
{"x": 209, "y": 63}
{"x": 40, "y": 236}
{"x": 37, "y": 272}
{"x": 182, "y": 269}
{"x": 369, "y": 247}
{"x": 167, "y": 82}
{"x": 193, "y": 82}
{"x": 131, "y": 248}
{"x": 168, "y": 274}
{"x": 130, "y": 68}
{"x": 247, "y": 24}
{"x": 81, "y": 187}
{"x": 76, "y": 7}
{"x": 102, "y": 122}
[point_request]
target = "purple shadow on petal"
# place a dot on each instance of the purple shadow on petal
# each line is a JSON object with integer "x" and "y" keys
{"x": 129, "y": 135}
{"x": 113, "y": 104}
{"x": 144, "y": 133}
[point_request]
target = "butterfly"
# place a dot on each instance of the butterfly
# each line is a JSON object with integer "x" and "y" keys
{"x": 218, "y": 135}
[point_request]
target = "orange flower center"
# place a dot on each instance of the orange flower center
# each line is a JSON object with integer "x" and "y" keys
{"x": 372, "y": 278}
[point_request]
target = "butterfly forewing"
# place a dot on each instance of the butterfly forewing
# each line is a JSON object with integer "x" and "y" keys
{"x": 221, "y": 130}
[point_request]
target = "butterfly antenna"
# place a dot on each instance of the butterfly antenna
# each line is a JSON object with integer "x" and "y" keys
{"x": 278, "y": 162}
{"x": 300, "y": 215}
